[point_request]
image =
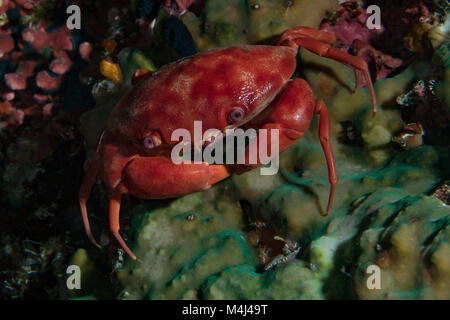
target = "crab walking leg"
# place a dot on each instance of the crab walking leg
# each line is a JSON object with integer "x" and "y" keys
{"x": 218, "y": 173}
{"x": 319, "y": 35}
{"x": 324, "y": 136}
{"x": 313, "y": 42}
{"x": 114, "y": 224}
{"x": 159, "y": 177}
{"x": 85, "y": 191}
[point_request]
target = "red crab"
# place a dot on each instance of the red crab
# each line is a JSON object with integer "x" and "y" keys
{"x": 247, "y": 87}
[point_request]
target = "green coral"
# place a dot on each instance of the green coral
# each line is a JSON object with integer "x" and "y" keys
{"x": 409, "y": 240}
{"x": 294, "y": 281}
{"x": 239, "y": 22}
{"x": 441, "y": 59}
{"x": 185, "y": 242}
{"x": 39, "y": 12}
{"x": 196, "y": 246}
{"x": 92, "y": 284}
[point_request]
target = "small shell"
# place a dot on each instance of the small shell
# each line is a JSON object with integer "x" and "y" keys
{"x": 442, "y": 192}
{"x": 111, "y": 71}
{"x": 410, "y": 137}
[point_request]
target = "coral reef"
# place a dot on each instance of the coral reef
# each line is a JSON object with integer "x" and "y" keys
{"x": 196, "y": 246}
{"x": 385, "y": 212}
{"x": 238, "y": 22}
{"x": 42, "y": 91}
{"x": 200, "y": 239}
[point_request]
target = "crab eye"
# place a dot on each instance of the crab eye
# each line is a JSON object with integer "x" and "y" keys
{"x": 152, "y": 140}
{"x": 236, "y": 115}
{"x": 149, "y": 143}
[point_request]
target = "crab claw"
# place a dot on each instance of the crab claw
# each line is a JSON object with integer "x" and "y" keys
{"x": 148, "y": 177}
{"x": 290, "y": 113}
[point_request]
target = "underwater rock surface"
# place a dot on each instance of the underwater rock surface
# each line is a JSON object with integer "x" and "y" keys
{"x": 237, "y": 22}
{"x": 197, "y": 246}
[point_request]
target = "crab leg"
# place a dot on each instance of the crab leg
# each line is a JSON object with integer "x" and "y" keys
{"x": 145, "y": 167}
{"x": 318, "y": 42}
{"x": 318, "y": 35}
{"x": 114, "y": 224}
{"x": 85, "y": 191}
{"x": 159, "y": 177}
{"x": 324, "y": 136}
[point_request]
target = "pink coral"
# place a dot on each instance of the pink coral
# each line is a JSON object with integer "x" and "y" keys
{"x": 354, "y": 36}
{"x": 28, "y": 4}
{"x": 45, "y": 81}
{"x": 176, "y": 7}
{"x": 85, "y": 50}
{"x": 350, "y": 25}
{"x": 16, "y": 117}
{"x": 47, "y": 109}
{"x": 16, "y": 81}
{"x": 6, "y": 108}
{"x": 59, "y": 39}
{"x": 41, "y": 97}
{"x": 4, "y": 6}
{"x": 26, "y": 68}
{"x": 61, "y": 64}
{"x": 6, "y": 43}
{"x": 9, "y": 96}
{"x": 380, "y": 64}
